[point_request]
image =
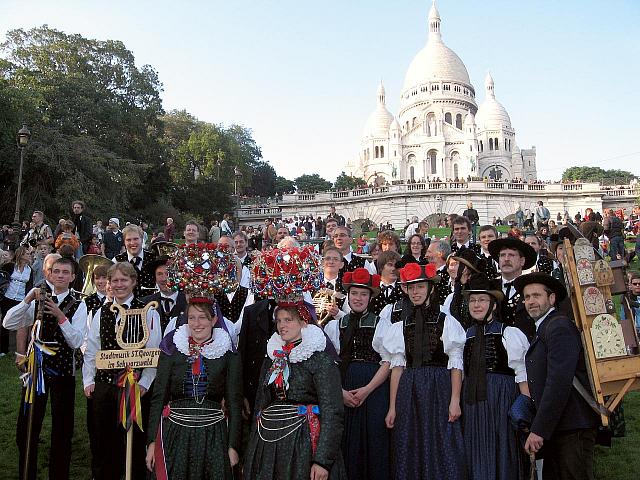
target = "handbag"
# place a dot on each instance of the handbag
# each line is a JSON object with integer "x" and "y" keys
{"x": 521, "y": 413}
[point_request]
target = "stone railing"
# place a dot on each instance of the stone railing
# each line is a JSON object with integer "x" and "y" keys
{"x": 262, "y": 212}
{"x": 469, "y": 187}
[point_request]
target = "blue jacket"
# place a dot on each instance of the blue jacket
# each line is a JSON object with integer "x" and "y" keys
{"x": 554, "y": 358}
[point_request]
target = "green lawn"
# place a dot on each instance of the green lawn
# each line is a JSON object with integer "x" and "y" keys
{"x": 617, "y": 463}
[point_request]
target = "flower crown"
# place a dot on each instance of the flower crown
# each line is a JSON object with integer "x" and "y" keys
{"x": 413, "y": 272}
{"x": 286, "y": 273}
{"x": 203, "y": 270}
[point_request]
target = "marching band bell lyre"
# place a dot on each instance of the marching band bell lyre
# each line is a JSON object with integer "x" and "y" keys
{"x": 132, "y": 332}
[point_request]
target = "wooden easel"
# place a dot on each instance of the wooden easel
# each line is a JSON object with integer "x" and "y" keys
{"x": 611, "y": 376}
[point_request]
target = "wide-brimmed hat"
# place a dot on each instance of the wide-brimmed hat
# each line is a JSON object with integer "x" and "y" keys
{"x": 361, "y": 277}
{"x": 480, "y": 283}
{"x": 556, "y": 239}
{"x": 158, "y": 262}
{"x": 414, "y": 273}
{"x": 527, "y": 251}
{"x": 544, "y": 279}
{"x": 469, "y": 258}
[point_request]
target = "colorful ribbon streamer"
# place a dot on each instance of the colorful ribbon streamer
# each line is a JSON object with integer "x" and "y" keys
{"x": 129, "y": 410}
{"x": 35, "y": 370}
{"x": 312, "y": 412}
{"x": 160, "y": 464}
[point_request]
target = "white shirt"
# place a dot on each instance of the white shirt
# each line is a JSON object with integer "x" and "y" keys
{"x": 94, "y": 345}
{"x": 23, "y": 315}
{"x": 504, "y": 287}
{"x": 465, "y": 245}
{"x": 541, "y": 319}
{"x": 17, "y": 288}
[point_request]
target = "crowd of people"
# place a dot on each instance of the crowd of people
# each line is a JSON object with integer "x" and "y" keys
{"x": 390, "y": 363}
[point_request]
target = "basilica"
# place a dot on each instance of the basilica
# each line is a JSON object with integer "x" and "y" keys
{"x": 440, "y": 132}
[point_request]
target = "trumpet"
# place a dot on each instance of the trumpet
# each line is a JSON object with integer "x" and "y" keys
{"x": 162, "y": 249}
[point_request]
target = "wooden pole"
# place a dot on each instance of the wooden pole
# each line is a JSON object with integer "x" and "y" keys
{"x": 128, "y": 472}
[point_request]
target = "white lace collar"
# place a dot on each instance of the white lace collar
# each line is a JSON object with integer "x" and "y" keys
{"x": 220, "y": 345}
{"x": 313, "y": 340}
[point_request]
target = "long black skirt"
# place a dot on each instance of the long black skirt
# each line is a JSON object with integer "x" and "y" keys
{"x": 365, "y": 443}
{"x": 425, "y": 445}
{"x": 491, "y": 444}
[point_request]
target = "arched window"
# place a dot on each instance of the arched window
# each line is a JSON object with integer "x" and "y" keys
{"x": 447, "y": 118}
{"x": 455, "y": 170}
{"x": 496, "y": 145}
{"x": 432, "y": 161}
{"x": 509, "y": 145}
{"x": 412, "y": 172}
{"x": 491, "y": 144}
{"x": 368, "y": 153}
{"x": 381, "y": 152}
{"x": 481, "y": 146}
{"x": 407, "y": 126}
{"x": 413, "y": 122}
{"x": 459, "y": 121}
{"x": 505, "y": 145}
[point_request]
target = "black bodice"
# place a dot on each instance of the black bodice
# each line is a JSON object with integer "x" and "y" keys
{"x": 356, "y": 338}
{"x": 495, "y": 354}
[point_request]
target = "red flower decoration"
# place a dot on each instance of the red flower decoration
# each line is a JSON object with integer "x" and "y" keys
{"x": 375, "y": 281}
{"x": 430, "y": 270}
{"x": 411, "y": 271}
{"x": 361, "y": 275}
{"x": 347, "y": 277}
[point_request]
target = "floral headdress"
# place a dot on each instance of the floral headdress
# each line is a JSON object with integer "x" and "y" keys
{"x": 203, "y": 270}
{"x": 286, "y": 273}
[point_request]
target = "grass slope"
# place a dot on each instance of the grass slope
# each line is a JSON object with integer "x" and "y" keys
{"x": 617, "y": 463}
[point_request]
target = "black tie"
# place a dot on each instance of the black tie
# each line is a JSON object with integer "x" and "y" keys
{"x": 508, "y": 286}
{"x": 168, "y": 304}
{"x": 135, "y": 261}
{"x": 54, "y": 298}
{"x": 386, "y": 289}
{"x": 331, "y": 286}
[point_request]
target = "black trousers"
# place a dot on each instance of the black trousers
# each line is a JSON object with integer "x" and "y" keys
{"x": 110, "y": 438}
{"x": 569, "y": 456}
{"x": 62, "y": 391}
{"x": 6, "y": 304}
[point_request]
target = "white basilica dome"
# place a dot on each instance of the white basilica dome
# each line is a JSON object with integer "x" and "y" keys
{"x": 379, "y": 121}
{"x": 436, "y": 61}
{"x": 491, "y": 114}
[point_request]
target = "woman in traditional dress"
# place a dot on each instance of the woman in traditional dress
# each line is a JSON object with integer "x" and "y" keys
{"x": 189, "y": 436}
{"x": 426, "y": 380}
{"x": 299, "y": 411}
{"x": 495, "y": 373}
{"x": 357, "y": 338}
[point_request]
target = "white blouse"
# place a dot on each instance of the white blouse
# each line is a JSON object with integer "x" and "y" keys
{"x": 453, "y": 339}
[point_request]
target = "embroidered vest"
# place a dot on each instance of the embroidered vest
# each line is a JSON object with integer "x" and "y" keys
{"x": 357, "y": 340}
{"x": 495, "y": 354}
{"x": 60, "y": 364}
{"x": 232, "y": 309}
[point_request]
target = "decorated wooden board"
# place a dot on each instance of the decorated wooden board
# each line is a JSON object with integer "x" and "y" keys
{"x": 610, "y": 347}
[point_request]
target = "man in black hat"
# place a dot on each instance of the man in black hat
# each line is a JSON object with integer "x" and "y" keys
{"x": 513, "y": 256}
{"x": 171, "y": 304}
{"x": 564, "y": 423}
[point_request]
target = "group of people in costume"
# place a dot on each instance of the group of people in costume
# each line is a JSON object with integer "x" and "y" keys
{"x": 410, "y": 374}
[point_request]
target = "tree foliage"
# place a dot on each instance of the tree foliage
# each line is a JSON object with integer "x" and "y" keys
{"x": 312, "y": 183}
{"x": 99, "y": 134}
{"x": 283, "y": 186}
{"x": 347, "y": 182}
{"x": 597, "y": 174}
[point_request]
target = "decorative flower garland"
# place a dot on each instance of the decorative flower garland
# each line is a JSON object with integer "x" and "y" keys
{"x": 286, "y": 273}
{"x": 203, "y": 270}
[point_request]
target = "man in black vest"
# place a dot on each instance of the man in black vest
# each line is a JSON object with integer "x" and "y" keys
{"x": 564, "y": 423}
{"x": 171, "y": 305}
{"x": 139, "y": 258}
{"x": 461, "y": 235}
{"x": 342, "y": 239}
{"x": 63, "y": 322}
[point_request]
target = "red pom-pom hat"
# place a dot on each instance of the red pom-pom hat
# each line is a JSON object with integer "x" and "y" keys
{"x": 414, "y": 273}
{"x": 361, "y": 277}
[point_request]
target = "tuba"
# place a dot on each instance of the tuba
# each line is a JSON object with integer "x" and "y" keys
{"x": 162, "y": 249}
{"x": 88, "y": 264}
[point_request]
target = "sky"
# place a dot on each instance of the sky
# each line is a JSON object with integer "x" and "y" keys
{"x": 303, "y": 75}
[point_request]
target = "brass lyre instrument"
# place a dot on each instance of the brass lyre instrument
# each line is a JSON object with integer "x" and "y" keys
{"x": 133, "y": 331}
{"x": 88, "y": 264}
{"x": 322, "y": 300}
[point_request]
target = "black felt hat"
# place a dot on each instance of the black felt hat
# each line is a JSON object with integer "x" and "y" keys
{"x": 480, "y": 283}
{"x": 543, "y": 279}
{"x": 158, "y": 262}
{"x": 527, "y": 251}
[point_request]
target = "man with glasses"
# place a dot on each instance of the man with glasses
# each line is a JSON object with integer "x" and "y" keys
{"x": 332, "y": 262}
{"x": 342, "y": 239}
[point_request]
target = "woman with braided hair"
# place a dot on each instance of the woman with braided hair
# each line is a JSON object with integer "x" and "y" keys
{"x": 494, "y": 374}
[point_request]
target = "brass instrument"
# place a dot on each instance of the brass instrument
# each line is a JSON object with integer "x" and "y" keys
{"x": 88, "y": 264}
{"x": 162, "y": 249}
{"x": 322, "y": 300}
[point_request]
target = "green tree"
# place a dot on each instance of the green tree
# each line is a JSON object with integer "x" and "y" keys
{"x": 312, "y": 183}
{"x": 282, "y": 185}
{"x": 347, "y": 182}
{"x": 263, "y": 180}
{"x": 597, "y": 174}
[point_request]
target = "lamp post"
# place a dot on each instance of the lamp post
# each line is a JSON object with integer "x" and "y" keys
{"x": 22, "y": 140}
{"x": 237, "y": 175}
{"x": 218, "y": 163}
